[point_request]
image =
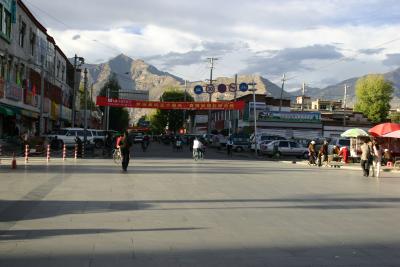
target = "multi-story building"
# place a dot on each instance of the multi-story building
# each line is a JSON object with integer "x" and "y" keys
{"x": 35, "y": 75}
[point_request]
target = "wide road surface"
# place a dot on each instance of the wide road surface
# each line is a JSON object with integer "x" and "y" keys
{"x": 171, "y": 211}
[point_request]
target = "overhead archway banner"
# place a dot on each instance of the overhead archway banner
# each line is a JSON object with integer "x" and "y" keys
{"x": 127, "y": 103}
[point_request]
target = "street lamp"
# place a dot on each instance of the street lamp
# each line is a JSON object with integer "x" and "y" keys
{"x": 253, "y": 89}
{"x": 78, "y": 62}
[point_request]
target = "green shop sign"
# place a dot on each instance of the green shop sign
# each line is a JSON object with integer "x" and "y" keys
{"x": 313, "y": 117}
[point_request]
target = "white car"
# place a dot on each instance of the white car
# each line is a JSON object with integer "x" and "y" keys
{"x": 263, "y": 139}
{"x": 67, "y": 136}
{"x": 280, "y": 148}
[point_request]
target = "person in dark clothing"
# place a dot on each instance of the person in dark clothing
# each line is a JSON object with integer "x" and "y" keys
{"x": 323, "y": 153}
{"x": 125, "y": 145}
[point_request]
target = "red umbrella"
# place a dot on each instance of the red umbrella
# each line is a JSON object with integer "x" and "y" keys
{"x": 384, "y": 128}
{"x": 395, "y": 134}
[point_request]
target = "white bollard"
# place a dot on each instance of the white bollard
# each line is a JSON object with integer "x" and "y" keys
{"x": 64, "y": 152}
{"x": 48, "y": 153}
{"x": 26, "y": 153}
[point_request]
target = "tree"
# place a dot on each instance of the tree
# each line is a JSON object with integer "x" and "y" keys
{"x": 171, "y": 118}
{"x": 395, "y": 117}
{"x": 373, "y": 95}
{"x": 119, "y": 117}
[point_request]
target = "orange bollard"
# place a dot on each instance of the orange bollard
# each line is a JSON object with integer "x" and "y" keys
{"x": 14, "y": 162}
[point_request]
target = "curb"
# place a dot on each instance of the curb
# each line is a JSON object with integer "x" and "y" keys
{"x": 345, "y": 167}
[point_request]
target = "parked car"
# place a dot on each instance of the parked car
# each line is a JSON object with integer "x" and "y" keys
{"x": 241, "y": 142}
{"x": 340, "y": 142}
{"x": 67, "y": 136}
{"x": 264, "y": 139}
{"x": 280, "y": 148}
{"x": 138, "y": 138}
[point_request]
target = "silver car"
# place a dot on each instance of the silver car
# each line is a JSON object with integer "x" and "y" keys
{"x": 280, "y": 148}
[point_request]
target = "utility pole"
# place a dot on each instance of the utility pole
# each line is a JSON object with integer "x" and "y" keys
{"x": 184, "y": 111}
{"x": 283, "y": 85}
{"x": 253, "y": 89}
{"x": 91, "y": 103}
{"x": 85, "y": 124}
{"x": 108, "y": 112}
{"x": 236, "y": 124}
{"x": 76, "y": 86}
{"x": 74, "y": 92}
{"x": 302, "y": 96}
{"x": 211, "y": 60}
{"x": 344, "y": 105}
{"x": 41, "y": 122}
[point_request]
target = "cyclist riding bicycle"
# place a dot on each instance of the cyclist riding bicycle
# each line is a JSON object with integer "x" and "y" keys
{"x": 198, "y": 148}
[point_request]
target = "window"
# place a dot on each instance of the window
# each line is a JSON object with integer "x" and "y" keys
{"x": 58, "y": 68}
{"x": 21, "y": 36}
{"x": 7, "y": 24}
{"x": 1, "y": 18}
{"x": 283, "y": 144}
{"x": 294, "y": 145}
{"x": 62, "y": 72}
{"x": 32, "y": 41}
{"x": 71, "y": 133}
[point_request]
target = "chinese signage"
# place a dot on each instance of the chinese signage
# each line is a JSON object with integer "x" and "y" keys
{"x": 117, "y": 102}
{"x": 289, "y": 116}
{"x": 13, "y": 92}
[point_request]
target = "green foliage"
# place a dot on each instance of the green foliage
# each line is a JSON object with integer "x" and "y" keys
{"x": 395, "y": 117}
{"x": 173, "y": 118}
{"x": 373, "y": 97}
{"x": 119, "y": 117}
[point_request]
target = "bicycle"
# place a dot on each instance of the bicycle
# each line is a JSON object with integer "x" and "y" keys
{"x": 117, "y": 156}
{"x": 198, "y": 154}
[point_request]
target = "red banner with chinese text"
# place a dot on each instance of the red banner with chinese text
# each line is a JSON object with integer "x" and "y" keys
{"x": 126, "y": 103}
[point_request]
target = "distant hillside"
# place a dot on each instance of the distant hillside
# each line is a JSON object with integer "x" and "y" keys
{"x": 138, "y": 75}
{"x": 336, "y": 91}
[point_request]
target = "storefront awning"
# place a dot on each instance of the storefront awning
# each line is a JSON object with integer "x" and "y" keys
{"x": 29, "y": 114}
{"x": 6, "y": 111}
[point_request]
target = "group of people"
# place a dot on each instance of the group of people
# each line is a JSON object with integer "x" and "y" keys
{"x": 371, "y": 155}
{"x": 320, "y": 156}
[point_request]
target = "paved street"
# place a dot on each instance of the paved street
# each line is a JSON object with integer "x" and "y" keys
{"x": 171, "y": 211}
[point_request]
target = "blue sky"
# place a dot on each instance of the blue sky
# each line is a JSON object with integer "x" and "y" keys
{"x": 316, "y": 42}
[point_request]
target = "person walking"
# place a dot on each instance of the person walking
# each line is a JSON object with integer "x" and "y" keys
{"x": 377, "y": 159}
{"x": 323, "y": 153}
{"x": 311, "y": 153}
{"x": 365, "y": 158}
{"x": 229, "y": 145}
{"x": 125, "y": 145}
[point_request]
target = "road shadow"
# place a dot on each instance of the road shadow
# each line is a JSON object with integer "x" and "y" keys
{"x": 13, "y": 211}
{"x": 44, "y": 233}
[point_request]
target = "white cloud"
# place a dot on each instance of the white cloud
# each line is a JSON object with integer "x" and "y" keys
{"x": 176, "y": 31}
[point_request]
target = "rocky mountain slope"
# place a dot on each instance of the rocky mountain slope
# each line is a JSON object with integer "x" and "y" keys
{"x": 138, "y": 75}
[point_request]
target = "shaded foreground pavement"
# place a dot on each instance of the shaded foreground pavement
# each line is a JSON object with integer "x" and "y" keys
{"x": 172, "y": 211}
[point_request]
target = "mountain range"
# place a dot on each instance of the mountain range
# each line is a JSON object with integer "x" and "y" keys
{"x": 138, "y": 75}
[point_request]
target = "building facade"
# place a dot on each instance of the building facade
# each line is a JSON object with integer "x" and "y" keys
{"x": 34, "y": 79}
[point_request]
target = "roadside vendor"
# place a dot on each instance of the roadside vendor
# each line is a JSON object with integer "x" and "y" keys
{"x": 344, "y": 153}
